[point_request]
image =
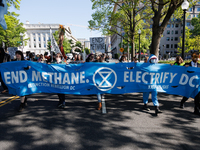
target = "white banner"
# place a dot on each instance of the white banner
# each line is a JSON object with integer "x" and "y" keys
{"x": 97, "y": 44}
{"x": 54, "y": 45}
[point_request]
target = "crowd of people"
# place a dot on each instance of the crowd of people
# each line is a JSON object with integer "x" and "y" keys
{"x": 101, "y": 58}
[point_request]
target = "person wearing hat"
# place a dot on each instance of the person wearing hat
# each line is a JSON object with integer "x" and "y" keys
{"x": 152, "y": 59}
{"x": 193, "y": 63}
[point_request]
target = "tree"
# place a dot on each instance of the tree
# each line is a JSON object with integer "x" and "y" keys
{"x": 127, "y": 19}
{"x": 66, "y": 43}
{"x": 196, "y": 24}
{"x": 11, "y": 36}
{"x": 78, "y": 43}
{"x": 14, "y": 3}
{"x": 163, "y": 10}
{"x": 87, "y": 51}
{"x": 189, "y": 42}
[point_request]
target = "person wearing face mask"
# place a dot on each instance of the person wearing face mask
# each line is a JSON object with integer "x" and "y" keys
{"x": 152, "y": 59}
{"x": 61, "y": 97}
{"x": 193, "y": 63}
{"x": 4, "y": 57}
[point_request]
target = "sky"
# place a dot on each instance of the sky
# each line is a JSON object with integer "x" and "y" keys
{"x": 73, "y": 13}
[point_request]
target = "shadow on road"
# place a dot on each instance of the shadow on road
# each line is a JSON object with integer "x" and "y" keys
{"x": 81, "y": 126}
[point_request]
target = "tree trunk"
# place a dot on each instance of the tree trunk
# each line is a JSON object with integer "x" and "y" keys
{"x": 157, "y": 33}
{"x": 132, "y": 48}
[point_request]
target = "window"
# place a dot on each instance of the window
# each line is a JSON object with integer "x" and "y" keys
{"x": 34, "y": 39}
{"x": 49, "y": 39}
{"x": 167, "y": 38}
{"x": 190, "y": 9}
{"x": 172, "y": 38}
{"x": 193, "y": 15}
{"x": 188, "y": 24}
{"x": 171, "y": 45}
{"x": 176, "y": 38}
{"x": 198, "y": 9}
{"x": 177, "y": 25}
{"x": 172, "y": 32}
{"x": 44, "y": 38}
{"x": 144, "y": 20}
{"x": 33, "y": 33}
{"x": 151, "y": 26}
{"x": 168, "y": 31}
{"x": 39, "y": 38}
{"x": 34, "y": 45}
{"x": 175, "y": 46}
{"x": 172, "y": 25}
{"x": 39, "y": 45}
{"x": 44, "y": 45}
{"x": 168, "y": 26}
{"x": 167, "y": 45}
{"x": 29, "y": 45}
{"x": 176, "y": 32}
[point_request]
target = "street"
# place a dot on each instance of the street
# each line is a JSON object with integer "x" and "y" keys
{"x": 81, "y": 127}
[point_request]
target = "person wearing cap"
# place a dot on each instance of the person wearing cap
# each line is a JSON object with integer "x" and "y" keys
{"x": 193, "y": 63}
{"x": 152, "y": 59}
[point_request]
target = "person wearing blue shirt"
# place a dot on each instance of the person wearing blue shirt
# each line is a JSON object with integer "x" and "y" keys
{"x": 152, "y": 59}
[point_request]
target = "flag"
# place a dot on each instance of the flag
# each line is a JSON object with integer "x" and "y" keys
{"x": 54, "y": 45}
{"x": 3, "y": 10}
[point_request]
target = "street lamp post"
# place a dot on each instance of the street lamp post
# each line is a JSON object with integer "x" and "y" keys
{"x": 139, "y": 32}
{"x": 184, "y": 6}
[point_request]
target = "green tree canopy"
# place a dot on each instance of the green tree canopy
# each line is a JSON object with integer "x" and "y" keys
{"x": 196, "y": 24}
{"x": 11, "y": 36}
{"x": 87, "y": 51}
{"x": 121, "y": 18}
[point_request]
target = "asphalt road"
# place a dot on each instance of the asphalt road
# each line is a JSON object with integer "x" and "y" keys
{"x": 125, "y": 126}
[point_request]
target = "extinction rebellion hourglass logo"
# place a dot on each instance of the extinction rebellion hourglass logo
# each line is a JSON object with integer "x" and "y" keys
{"x": 104, "y": 78}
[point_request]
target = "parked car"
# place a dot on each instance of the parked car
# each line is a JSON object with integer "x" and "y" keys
{"x": 69, "y": 56}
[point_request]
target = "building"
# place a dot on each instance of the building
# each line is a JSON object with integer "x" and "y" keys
{"x": 171, "y": 35}
{"x": 84, "y": 42}
{"x": 173, "y": 32}
{"x": 39, "y": 35}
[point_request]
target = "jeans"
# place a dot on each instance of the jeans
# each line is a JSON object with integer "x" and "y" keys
{"x": 153, "y": 97}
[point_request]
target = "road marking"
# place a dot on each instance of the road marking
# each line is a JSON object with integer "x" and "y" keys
{"x": 103, "y": 105}
{"x": 4, "y": 102}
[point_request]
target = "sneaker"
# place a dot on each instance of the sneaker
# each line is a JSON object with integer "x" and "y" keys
{"x": 181, "y": 106}
{"x": 61, "y": 106}
{"x": 145, "y": 107}
{"x": 21, "y": 107}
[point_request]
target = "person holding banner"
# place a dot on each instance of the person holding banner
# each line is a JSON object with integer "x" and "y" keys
{"x": 179, "y": 61}
{"x": 152, "y": 59}
{"x": 193, "y": 63}
{"x": 61, "y": 97}
{"x": 4, "y": 57}
{"x": 19, "y": 57}
{"x": 90, "y": 58}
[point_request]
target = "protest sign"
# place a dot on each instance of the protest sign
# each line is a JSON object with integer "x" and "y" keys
{"x": 97, "y": 45}
{"x": 93, "y": 78}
